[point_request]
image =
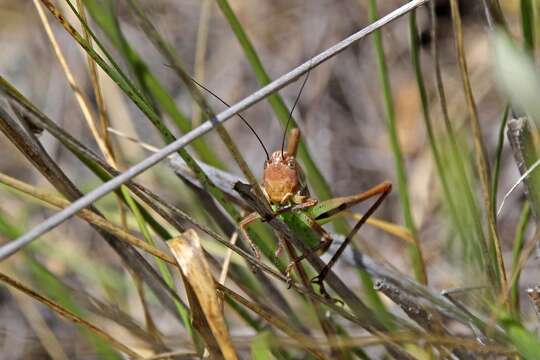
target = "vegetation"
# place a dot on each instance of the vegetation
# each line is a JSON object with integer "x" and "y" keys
{"x": 441, "y": 101}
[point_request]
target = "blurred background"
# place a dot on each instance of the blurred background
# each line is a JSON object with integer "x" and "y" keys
{"x": 341, "y": 114}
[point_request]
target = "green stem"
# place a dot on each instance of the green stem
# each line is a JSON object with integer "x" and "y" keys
{"x": 519, "y": 240}
{"x": 497, "y": 166}
{"x": 390, "y": 117}
{"x": 415, "y": 59}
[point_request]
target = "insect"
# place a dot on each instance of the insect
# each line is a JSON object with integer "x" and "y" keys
{"x": 287, "y": 197}
{"x": 285, "y": 189}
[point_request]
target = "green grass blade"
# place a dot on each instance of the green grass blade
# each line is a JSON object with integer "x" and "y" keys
{"x": 457, "y": 166}
{"x": 527, "y": 24}
{"x": 496, "y": 266}
{"x": 100, "y": 339}
{"x": 525, "y": 341}
{"x": 415, "y": 59}
{"x": 375, "y": 302}
{"x": 56, "y": 291}
{"x": 390, "y": 117}
{"x": 517, "y": 249}
{"x": 517, "y": 75}
{"x": 497, "y": 165}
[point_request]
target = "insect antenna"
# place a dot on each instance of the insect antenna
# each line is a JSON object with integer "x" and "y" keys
{"x": 239, "y": 115}
{"x": 291, "y": 112}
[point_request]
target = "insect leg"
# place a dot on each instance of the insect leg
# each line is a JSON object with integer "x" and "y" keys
{"x": 382, "y": 190}
{"x": 304, "y": 205}
{"x": 243, "y": 230}
{"x": 293, "y": 142}
{"x": 324, "y": 245}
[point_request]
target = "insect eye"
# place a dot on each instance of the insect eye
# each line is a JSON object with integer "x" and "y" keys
{"x": 290, "y": 164}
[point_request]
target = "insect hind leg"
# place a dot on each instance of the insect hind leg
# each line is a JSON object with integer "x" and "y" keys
{"x": 382, "y": 190}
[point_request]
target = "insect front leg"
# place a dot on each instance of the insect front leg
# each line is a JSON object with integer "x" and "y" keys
{"x": 382, "y": 190}
{"x": 243, "y": 224}
{"x": 307, "y": 203}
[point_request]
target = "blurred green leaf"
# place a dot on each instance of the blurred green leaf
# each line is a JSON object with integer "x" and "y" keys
{"x": 260, "y": 346}
{"x": 525, "y": 341}
{"x": 528, "y": 24}
{"x": 517, "y": 76}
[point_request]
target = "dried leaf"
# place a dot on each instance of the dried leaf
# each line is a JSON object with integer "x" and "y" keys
{"x": 187, "y": 250}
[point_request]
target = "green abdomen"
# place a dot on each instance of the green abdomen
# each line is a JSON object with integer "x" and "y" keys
{"x": 298, "y": 222}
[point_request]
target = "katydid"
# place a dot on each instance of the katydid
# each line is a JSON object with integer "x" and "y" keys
{"x": 285, "y": 189}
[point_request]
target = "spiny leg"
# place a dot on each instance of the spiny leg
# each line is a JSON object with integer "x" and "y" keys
{"x": 243, "y": 230}
{"x": 382, "y": 190}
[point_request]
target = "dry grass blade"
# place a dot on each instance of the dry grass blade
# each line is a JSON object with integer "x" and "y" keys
{"x": 35, "y": 319}
{"x": 94, "y": 77}
{"x": 87, "y": 215}
{"x": 398, "y": 231}
{"x": 276, "y": 321}
{"x": 432, "y": 321}
{"x": 483, "y": 350}
{"x": 521, "y": 135}
{"x": 188, "y": 253}
{"x": 81, "y": 100}
{"x": 60, "y": 310}
{"x": 32, "y": 149}
{"x": 227, "y": 261}
{"x": 423, "y": 294}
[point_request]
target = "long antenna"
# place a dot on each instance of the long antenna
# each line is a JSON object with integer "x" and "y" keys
{"x": 240, "y": 116}
{"x": 294, "y": 105}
